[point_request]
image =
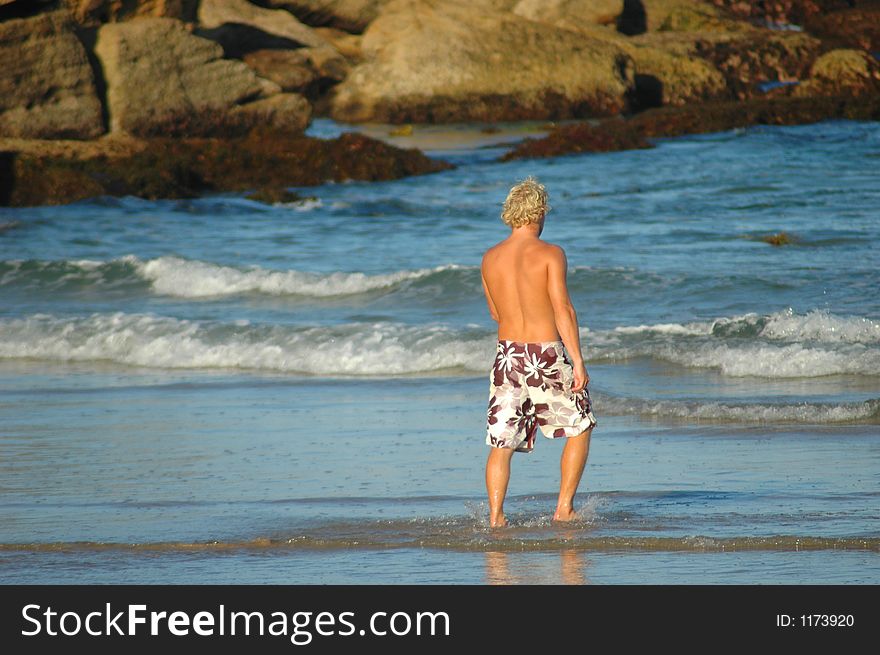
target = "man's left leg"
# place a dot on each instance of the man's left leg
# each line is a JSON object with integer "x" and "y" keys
{"x": 497, "y": 477}
{"x": 574, "y": 458}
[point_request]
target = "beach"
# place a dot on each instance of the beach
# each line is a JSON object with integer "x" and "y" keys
{"x": 220, "y": 390}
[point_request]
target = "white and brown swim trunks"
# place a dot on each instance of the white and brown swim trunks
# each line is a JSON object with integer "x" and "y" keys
{"x": 530, "y": 386}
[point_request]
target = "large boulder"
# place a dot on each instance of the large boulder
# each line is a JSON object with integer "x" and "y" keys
{"x": 348, "y": 45}
{"x": 289, "y": 69}
{"x": 672, "y": 75}
{"x": 305, "y": 70}
{"x": 162, "y": 80}
{"x": 844, "y": 71}
{"x": 284, "y": 112}
{"x": 95, "y": 12}
{"x": 47, "y": 88}
{"x": 439, "y": 61}
{"x": 666, "y": 69}
{"x": 348, "y": 15}
{"x": 639, "y": 16}
{"x": 633, "y": 17}
{"x": 241, "y": 27}
{"x": 570, "y": 13}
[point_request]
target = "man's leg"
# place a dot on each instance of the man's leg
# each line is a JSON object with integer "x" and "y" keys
{"x": 497, "y": 477}
{"x": 574, "y": 457}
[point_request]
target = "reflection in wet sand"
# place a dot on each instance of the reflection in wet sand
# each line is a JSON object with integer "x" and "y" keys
{"x": 572, "y": 568}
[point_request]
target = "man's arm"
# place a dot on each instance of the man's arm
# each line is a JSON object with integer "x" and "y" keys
{"x": 492, "y": 311}
{"x": 565, "y": 315}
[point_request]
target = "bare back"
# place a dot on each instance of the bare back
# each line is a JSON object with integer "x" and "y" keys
{"x": 515, "y": 275}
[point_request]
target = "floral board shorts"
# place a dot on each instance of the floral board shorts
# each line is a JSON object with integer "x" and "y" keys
{"x": 530, "y": 386}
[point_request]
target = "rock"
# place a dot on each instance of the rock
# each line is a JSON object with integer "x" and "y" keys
{"x": 22, "y": 8}
{"x": 611, "y": 135}
{"x": 445, "y": 60}
{"x": 347, "y": 15}
{"x": 284, "y": 112}
{"x": 852, "y": 28}
{"x": 617, "y": 134}
{"x": 666, "y": 68}
{"x": 699, "y": 17}
{"x": 780, "y": 12}
{"x": 570, "y": 13}
{"x": 289, "y": 69}
{"x": 273, "y": 195}
{"x": 95, "y": 12}
{"x": 328, "y": 62}
{"x": 348, "y": 45}
{"x": 629, "y": 17}
{"x": 848, "y": 71}
{"x": 306, "y": 70}
{"x": 665, "y": 77}
{"x": 640, "y": 16}
{"x": 768, "y": 56}
{"x": 164, "y": 167}
{"x": 241, "y": 27}
{"x": 47, "y": 87}
{"x": 778, "y": 239}
{"x": 162, "y": 80}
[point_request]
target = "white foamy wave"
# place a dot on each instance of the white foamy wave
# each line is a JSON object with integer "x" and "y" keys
{"x": 743, "y": 359}
{"x": 157, "y": 341}
{"x": 185, "y": 278}
{"x": 821, "y": 325}
{"x": 815, "y": 325}
{"x": 666, "y": 328}
{"x": 304, "y": 205}
{"x": 765, "y": 360}
{"x": 778, "y": 345}
{"x": 802, "y": 412}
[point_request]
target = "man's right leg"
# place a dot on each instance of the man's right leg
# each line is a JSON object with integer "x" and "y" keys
{"x": 574, "y": 458}
{"x": 497, "y": 477}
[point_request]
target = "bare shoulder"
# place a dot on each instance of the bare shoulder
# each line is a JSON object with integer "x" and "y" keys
{"x": 489, "y": 255}
{"x": 553, "y": 252}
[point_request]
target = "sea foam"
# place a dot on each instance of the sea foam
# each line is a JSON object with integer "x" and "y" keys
{"x": 170, "y": 275}
{"x": 784, "y": 346}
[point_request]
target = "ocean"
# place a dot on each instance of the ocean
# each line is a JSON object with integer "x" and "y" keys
{"x": 216, "y": 390}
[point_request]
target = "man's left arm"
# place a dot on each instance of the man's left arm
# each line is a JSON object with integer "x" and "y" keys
{"x": 492, "y": 311}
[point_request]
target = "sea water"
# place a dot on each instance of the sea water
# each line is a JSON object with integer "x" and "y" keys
{"x": 219, "y": 390}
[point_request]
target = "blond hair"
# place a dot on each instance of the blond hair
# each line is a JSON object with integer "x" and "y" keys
{"x": 526, "y": 203}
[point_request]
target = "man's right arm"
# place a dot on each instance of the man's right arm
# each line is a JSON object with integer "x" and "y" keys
{"x": 565, "y": 315}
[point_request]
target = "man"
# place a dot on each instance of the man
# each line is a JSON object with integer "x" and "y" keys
{"x": 538, "y": 376}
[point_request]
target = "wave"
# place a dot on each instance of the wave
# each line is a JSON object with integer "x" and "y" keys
{"x": 778, "y": 345}
{"x": 174, "y": 276}
{"x": 815, "y": 325}
{"x": 158, "y": 341}
{"x": 782, "y": 345}
{"x": 867, "y": 411}
{"x": 184, "y": 278}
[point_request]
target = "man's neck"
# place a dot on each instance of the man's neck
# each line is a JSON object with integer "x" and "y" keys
{"x": 525, "y": 232}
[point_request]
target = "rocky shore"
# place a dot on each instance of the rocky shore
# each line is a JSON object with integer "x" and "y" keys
{"x": 171, "y": 98}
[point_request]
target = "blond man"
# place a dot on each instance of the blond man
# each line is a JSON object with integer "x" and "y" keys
{"x": 538, "y": 378}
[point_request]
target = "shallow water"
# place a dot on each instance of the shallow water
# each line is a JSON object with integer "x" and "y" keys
{"x": 219, "y": 390}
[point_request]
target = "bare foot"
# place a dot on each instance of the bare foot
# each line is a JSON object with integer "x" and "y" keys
{"x": 565, "y": 515}
{"x": 498, "y": 522}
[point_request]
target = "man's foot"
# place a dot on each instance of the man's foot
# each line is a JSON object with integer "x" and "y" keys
{"x": 498, "y": 521}
{"x": 565, "y": 515}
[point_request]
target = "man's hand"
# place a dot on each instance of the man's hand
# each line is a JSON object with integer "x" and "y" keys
{"x": 581, "y": 379}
